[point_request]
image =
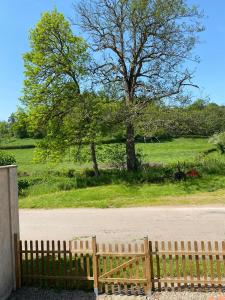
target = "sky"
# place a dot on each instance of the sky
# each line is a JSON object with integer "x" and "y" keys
{"x": 17, "y": 17}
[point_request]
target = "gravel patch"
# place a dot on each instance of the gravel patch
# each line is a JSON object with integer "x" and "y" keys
{"x": 49, "y": 294}
{"x": 170, "y": 296}
{"x": 45, "y": 294}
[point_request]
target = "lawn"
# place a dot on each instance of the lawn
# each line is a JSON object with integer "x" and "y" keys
{"x": 51, "y": 187}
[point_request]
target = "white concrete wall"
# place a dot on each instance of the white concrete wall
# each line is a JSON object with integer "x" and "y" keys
{"x": 9, "y": 224}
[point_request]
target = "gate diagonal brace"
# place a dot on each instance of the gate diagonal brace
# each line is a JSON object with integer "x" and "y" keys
{"x": 126, "y": 264}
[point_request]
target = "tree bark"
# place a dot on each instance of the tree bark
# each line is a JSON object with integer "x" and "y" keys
{"x": 130, "y": 148}
{"x": 94, "y": 159}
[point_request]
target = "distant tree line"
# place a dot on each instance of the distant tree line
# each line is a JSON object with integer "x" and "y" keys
{"x": 197, "y": 119}
{"x": 200, "y": 119}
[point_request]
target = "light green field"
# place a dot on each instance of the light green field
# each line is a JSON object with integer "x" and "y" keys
{"x": 49, "y": 182}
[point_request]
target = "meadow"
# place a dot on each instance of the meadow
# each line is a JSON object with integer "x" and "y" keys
{"x": 67, "y": 184}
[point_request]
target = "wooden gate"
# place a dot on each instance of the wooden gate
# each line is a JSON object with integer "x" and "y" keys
{"x": 124, "y": 269}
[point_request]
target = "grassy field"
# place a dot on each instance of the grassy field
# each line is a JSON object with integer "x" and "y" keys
{"x": 51, "y": 187}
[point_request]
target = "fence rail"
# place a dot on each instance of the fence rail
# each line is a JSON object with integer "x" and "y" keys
{"x": 137, "y": 268}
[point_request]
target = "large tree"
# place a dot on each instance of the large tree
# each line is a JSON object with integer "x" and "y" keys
{"x": 55, "y": 68}
{"x": 142, "y": 47}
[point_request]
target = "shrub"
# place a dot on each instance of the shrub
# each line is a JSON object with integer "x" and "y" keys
{"x": 6, "y": 159}
{"x": 113, "y": 154}
{"x": 67, "y": 186}
{"x": 23, "y": 184}
{"x": 219, "y": 141}
{"x": 71, "y": 173}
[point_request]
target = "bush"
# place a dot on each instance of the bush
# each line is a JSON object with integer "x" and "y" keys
{"x": 71, "y": 173}
{"x": 67, "y": 186}
{"x": 23, "y": 184}
{"x": 219, "y": 141}
{"x": 6, "y": 159}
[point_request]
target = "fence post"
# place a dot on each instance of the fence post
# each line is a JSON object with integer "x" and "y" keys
{"x": 148, "y": 266}
{"x": 17, "y": 261}
{"x": 95, "y": 265}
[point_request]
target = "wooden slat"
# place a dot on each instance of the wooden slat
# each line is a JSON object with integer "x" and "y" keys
{"x": 65, "y": 265}
{"x": 223, "y": 250}
{"x": 31, "y": 261}
{"x": 59, "y": 262}
{"x": 124, "y": 270}
{"x": 117, "y": 260}
{"x": 111, "y": 266}
{"x": 88, "y": 260}
{"x": 53, "y": 262}
{"x": 211, "y": 264}
{"x": 184, "y": 264}
{"x": 157, "y": 265}
{"x": 188, "y": 281}
{"x": 37, "y": 259}
{"x": 48, "y": 262}
{"x": 105, "y": 267}
{"x": 177, "y": 261}
{"x": 70, "y": 264}
{"x": 130, "y": 270}
{"x": 218, "y": 266}
{"x": 204, "y": 263}
{"x": 123, "y": 280}
{"x": 60, "y": 277}
{"x": 95, "y": 264}
{"x": 171, "y": 262}
{"x": 164, "y": 262}
{"x": 42, "y": 262}
{"x": 190, "y": 264}
{"x": 197, "y": 262}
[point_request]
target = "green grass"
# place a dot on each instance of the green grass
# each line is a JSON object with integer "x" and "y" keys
{"x": 18, "y": 142}
{"x": 50, "y": 187}
{"x": 133, "y": 195}
{"x": 182, "y": 149}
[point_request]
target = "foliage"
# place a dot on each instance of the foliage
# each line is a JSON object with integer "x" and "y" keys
{"x": 23, "y": 184}
{"x": 219, "y": 141}
{"x": 198, "y": 119}
{"x": 4, "y": 130}
{"x": 114, "y": 155}
{"x": 6, "y": 159}
{"x": 142, "y": 49}
{"x": 55, "y": 68}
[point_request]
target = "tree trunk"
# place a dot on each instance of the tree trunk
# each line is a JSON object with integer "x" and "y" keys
{"x": 130, "y": 148}
{"x": 94, "y": 159}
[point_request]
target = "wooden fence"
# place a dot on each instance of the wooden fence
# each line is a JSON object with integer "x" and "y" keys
{"x": 137, "y": 268}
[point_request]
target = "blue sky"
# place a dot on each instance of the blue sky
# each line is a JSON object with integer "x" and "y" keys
{"x": 18, "y": 16}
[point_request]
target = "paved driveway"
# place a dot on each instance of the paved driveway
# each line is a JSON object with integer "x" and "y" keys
{"x": 125, "y": 224}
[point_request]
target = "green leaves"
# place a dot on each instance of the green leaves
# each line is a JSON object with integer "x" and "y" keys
{"x": 57, "y": 58}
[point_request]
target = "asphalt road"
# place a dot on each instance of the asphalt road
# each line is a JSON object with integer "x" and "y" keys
{"x": 125, "y": 224}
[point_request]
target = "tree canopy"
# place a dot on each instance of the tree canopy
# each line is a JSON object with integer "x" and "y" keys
{"x": 143, "y": 46}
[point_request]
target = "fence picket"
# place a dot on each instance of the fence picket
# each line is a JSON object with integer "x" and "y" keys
{"x": 32, "y": 262}
{"x": 36, "y": 259}
{"x": 42, "y": 262}
{"x": 197, "y": 262}
{"x": 211, "y": 264}
{"x": 184, "y": 265}
{"x": 204, "y": 262}
{"x": 177, "y": 263}
{"x": 218, "y": 266}
{"x": 164, "y": 265}
{"x": 190, "y": 264}
{"x": 65, "y": 264}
